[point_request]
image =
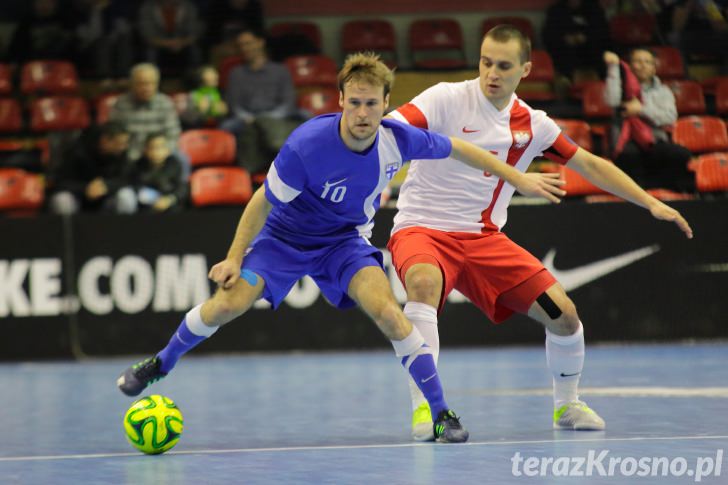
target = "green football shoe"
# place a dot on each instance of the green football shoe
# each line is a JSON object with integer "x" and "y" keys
{"x": 422, "y": 429}
{"x": 577, "y": 416}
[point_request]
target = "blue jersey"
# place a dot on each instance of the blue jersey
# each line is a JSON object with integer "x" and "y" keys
{"x": 323, "y": 192}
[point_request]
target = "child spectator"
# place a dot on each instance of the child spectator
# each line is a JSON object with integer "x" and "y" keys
{"x": 160, "y": 184}
{"x": 206, "y": 106}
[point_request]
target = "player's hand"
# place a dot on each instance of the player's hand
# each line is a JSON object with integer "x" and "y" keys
{"x": 225, "y": 273}
{"x": 546, "y": 185}
{"x": 666, "y": 213}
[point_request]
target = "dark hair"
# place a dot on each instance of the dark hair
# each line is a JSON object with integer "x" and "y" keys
{"x": 152, "y": 136}
{"x": 641, "y": 48}
{"x": 112, "y": 128}
{"x": 255, "y": 31}
{"x": 505, "y": 32}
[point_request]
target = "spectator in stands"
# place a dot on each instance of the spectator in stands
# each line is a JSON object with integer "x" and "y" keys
{"x": 144, "y": 110}
{"x": 640, "y": 146}
{"x": 159, "y": 181}
{"x": 170, "y": 30}
{"x": 205, "y": 106}
{"x": 228, "y": 17}
{"x": 699, "y": 28}
{"x": 105, "y": 37}
{"x": 94, "y": 173}
{"x": 45, "y": 33}
{"x": 575, "y": 32}
{"x": 262, "y": 102}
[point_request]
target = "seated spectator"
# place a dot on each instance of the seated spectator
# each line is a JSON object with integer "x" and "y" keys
{"x": 159, "y": 182}
{"x": 576, "y": 33}
{"x": 94, "y": 174}
{"x": 699, "y": 28}
{"x": 105, "y": 38}
{"x": 45, "y": 33}
{"x": 262, "y": 102}
{"x": 641, "y": 148}
{"x": 144, "y": 110}
{"x": 170, "y": 30}
{"x": 205, "y": 106}
{"x": 232, "y": 16}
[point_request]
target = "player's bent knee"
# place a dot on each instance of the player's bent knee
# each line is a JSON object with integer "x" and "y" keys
{"x": 422, "y": 284}
{"x": 563, "y": 315}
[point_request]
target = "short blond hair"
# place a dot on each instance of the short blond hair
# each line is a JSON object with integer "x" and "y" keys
{"x": 366, "y": 67}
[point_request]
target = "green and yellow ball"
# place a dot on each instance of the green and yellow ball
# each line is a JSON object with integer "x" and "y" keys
{"x": 153, "y": 424}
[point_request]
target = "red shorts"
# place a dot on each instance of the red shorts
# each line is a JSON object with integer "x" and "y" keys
{"x": 496, "y": 274}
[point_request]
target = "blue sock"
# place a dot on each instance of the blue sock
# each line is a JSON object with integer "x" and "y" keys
{"x": 423, "y": 371}
{"x": 182, "y": 341}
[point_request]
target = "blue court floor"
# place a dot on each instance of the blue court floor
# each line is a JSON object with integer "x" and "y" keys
{"x": 343, "y": 418}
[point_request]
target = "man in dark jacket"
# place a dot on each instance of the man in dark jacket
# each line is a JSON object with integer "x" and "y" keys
{"x": 94, "y": 174}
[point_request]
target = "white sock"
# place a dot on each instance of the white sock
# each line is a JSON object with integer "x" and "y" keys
{"x": 424, "y": 319}
{"x": 196, "y": 325}
{"x": 565, "y": 358}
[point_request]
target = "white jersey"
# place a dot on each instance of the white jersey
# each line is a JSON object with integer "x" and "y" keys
{"x": 451, "y": 196}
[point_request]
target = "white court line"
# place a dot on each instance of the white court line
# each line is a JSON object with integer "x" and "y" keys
{"x": 625, "y": 391}
{"x": 358, "y": 447}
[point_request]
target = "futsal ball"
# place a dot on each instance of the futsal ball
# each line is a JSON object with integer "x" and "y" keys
{"x": 153, "y": 424}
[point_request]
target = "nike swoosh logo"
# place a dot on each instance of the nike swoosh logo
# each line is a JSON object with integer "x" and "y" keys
{"x": 337, "y": 182}
{"x": 425, "y": 380}
{"x": 570, "y": 375}
{"x": 574, "y": 278}
{"x": 465, "y": 130}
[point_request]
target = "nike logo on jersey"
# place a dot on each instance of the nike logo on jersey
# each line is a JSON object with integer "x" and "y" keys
{"x": 429, "y": 378}
{"x": 330, "y": 184}
{"x": 465, "y": 130}
{"x": 574, "y": 278}
{"x": 570, "y": 375}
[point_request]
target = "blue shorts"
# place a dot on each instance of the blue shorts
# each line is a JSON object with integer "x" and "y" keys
{"x": 281, "y": 265}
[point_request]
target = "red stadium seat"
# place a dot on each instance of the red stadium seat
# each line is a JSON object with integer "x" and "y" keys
{"x": 370, "y": 35}
{"x": 208, "y": 147}
{"x": 669, "y": 62}
{"x": 632, "y": 29}
{"x": 577, "y": 130}
{"x": 521, "y": 23}
{"x": 11, "y": 117}
{"x": 6, "y": 80}
{"x": 220, "y": 186}
{"x": 226, "y": 65}
{"x": 689, "y": 98}
{"x": 711, "y": 172}
{"x": 593, "y": 103}
{"x": 20, "y": 190}
{"x": 538, "y": 86}
{"x": 319, "y": 101}
{"x": 309, "y": 30}
{"x": 312, "y": 70}
{"x": 48, "y": 77}
{"x": 437, "y": 44}
{"x": 57, "y": 113}
{"x": 575, "y": 185}
{"x": 721, "y": 97}
{"x": 701, "y": 134}
{"x": 103, "y": 106}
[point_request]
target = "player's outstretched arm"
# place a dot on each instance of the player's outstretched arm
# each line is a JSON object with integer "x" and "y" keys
{"x": 611, "y": 178}
{"x": 226, "y": 272}
{"x": 546, "y": 185}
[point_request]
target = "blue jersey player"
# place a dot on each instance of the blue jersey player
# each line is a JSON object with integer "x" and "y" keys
{"x": 313, "y": 217}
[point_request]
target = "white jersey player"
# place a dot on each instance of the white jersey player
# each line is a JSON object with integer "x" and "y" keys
{"x": 447, "y": 234}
